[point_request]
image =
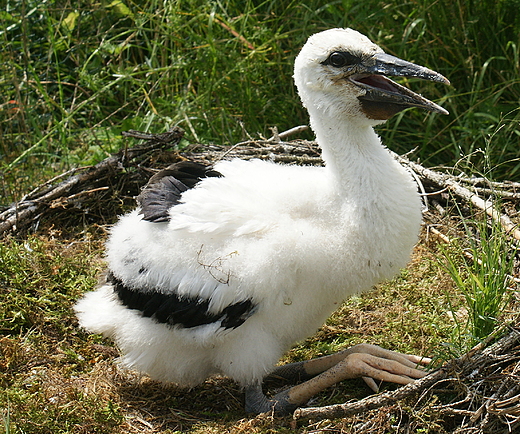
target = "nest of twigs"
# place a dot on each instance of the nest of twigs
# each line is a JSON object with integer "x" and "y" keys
{"x": 480, "y": 392}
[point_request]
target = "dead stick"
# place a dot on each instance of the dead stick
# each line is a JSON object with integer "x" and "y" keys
{"x": 447, "y": 181}
{"x": 447, "y": 240}
{"x": 11, "y": 221}
{"x": 372, "y": 402}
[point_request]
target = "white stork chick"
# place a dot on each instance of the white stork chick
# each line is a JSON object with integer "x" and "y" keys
{"x": 220, "y": 270}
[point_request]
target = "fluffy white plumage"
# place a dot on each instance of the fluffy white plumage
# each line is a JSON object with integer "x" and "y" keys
{"x": 295, "y": 241}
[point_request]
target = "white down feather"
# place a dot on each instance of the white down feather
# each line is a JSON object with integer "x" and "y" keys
{"x": 295, "y": 240}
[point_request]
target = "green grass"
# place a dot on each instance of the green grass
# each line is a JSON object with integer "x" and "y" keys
{"x": 74, "y": 74}
{"x": 481, "y": 267}
{"x": 43, "y": 354}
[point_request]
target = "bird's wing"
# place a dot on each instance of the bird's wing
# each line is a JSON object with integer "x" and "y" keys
{"x": 190, "y": 271}
{"x": 165, "y": 188}
{"x": 249, "y": 199}
{"x": 182, "y": 296}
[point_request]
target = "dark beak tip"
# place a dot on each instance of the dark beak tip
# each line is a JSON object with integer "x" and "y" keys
{"x": 434, "y": 76}
{"x": 444, "y": 80}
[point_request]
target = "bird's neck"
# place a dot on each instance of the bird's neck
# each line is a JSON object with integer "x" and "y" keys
{"x": 352, "y": 152}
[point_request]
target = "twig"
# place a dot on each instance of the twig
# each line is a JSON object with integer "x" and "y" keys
{"x": 291, "y": 131}
{"x": 447, "y": 240}
{"x": 32, "y": 194}
{"x": 243, "y": 40}
{"x": 64, "y": 200}
{"x": 447, "y": 181}
{"x": 484, "y": 181}
{"x": 371, "y": 402}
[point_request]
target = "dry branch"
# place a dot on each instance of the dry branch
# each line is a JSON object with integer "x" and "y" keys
{"x": 372, "y": 402}
{"x": 454, "y": 185}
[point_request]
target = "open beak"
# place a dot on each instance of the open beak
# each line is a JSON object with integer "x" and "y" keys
{"x": 383, "y": 97}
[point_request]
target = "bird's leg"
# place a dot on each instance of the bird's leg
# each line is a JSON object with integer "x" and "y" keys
{"x": 367, "y": 361}
{"x": 302, "y": 371}
{"x": 257, "y": 402}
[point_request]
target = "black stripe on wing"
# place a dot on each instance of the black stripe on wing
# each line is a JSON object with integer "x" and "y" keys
{"x": 165, "y": 188}
{"x": 185, "y": 312}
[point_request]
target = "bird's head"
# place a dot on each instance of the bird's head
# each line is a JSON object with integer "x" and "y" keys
{"x": 340, "y": 72}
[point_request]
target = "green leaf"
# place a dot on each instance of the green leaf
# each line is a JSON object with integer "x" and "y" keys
{"x": 121, "y": 8}
{"x": 69, "y": 23}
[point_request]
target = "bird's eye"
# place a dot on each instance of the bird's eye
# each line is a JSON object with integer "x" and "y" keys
{"x": 340, "y": 59}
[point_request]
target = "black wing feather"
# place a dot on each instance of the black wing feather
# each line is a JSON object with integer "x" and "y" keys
{"x": 173, "y": 309}
{"x": 165, "y": 188}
